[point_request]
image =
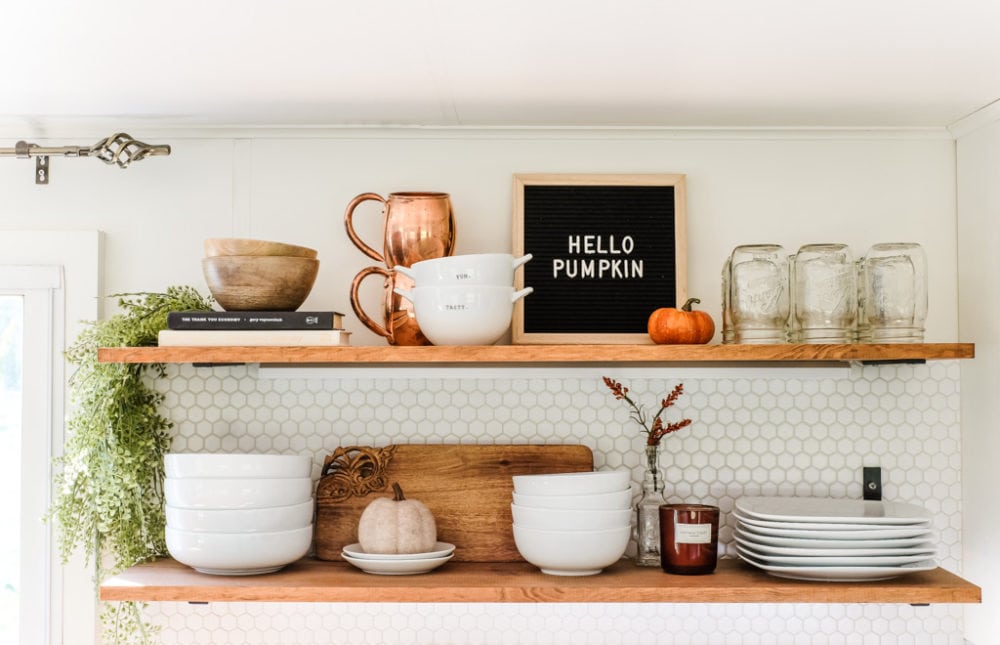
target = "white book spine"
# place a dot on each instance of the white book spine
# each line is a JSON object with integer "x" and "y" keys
{"x": 253, "y": 338}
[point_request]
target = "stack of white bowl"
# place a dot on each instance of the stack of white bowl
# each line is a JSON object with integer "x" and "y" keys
{"x": 572, "y": 524}
{"x": 464, "y": 299}
{"x": 238, "y": 514}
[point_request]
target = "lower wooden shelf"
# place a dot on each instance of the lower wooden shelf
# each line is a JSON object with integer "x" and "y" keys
{"x": 311, "y": 580}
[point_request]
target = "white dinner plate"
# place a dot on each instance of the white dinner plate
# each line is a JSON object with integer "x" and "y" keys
{"x": 833, "y": 511}
{"x": 839, "y": 574}
{"x": 849, "y": 535}
{"x": 820, "y": 526}
{"x": 926, "y": 549}
{"x": 397, "y": 567}
{"x": 440, "y": 550}
{"x": 819, "y": 543}
{"x": 833, "y": 561}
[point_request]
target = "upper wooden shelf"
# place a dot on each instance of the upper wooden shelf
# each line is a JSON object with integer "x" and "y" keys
{"x": 540, "y": 354}
{"x": 310, "y": 580}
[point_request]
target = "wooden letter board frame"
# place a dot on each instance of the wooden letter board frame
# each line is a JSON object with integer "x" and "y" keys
{"x": 608, "y": 249}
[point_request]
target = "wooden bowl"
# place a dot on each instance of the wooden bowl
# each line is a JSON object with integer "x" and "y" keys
{"x": 217, "y": 246}
{"x": 260, "y": 282}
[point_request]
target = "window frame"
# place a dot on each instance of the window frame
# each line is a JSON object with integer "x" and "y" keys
{"x": 75, "y": 257}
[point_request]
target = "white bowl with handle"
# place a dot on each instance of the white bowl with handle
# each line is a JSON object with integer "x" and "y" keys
{"x": 463, "y": 315}
{"x": 483, "y": 269}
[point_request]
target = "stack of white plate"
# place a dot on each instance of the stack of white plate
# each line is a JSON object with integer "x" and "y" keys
{"x": 808, "y": 538}
{"x": 238, "y": 514}
{"x": 398, "y": 564}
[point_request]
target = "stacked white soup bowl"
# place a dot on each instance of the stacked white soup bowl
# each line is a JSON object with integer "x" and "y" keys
{"x": 238, "y": 514}
{"x": 464, "y": 299}
{"x": 572, "y": 524}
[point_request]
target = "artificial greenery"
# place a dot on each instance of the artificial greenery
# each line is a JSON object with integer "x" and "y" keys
{"x": 109, "y": 498}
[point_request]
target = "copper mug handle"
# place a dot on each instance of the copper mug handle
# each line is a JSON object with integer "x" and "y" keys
{"x": 417, "y": 226}
{"x": 366, "y": 320}
{"x": 349, "y": 224}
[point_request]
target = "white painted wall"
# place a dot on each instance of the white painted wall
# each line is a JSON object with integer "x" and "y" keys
{"x": 979, "y": 311}
{"x": 789, "y": 187}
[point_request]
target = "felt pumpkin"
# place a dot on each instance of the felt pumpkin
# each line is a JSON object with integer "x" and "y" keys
{"x": 684, "y": 326}
{"x": 397, "y": 525}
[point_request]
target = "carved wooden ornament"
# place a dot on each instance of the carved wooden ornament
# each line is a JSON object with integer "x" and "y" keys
{"x": 354, "y": 471}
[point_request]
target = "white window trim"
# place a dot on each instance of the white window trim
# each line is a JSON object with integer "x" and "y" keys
{"x": 73, "y": 606}
{"x": 40, "y": 287}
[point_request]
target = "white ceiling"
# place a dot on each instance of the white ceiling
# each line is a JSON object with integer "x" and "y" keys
{"x": 676, "y": 63}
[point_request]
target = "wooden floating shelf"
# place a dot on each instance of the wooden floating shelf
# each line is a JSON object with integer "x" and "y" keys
{"x": 311, "y": 580}
{"x": 541, "y": 354}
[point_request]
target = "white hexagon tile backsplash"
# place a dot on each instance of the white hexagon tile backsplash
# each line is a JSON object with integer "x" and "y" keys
{"x": 759, "y": 435}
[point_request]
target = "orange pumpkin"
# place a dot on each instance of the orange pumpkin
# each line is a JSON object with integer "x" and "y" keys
{"x": 684, "y": 326}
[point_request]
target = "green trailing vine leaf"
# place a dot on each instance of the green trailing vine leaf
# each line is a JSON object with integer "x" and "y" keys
{"x": 108, "y": 483}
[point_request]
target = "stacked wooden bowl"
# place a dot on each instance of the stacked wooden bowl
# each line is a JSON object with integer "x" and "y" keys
{"x": 258, "y": 275}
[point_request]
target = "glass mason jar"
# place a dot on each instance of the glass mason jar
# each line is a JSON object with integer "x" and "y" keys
{"x": 894, "y": 293}
{"x": 758, "y": 293}
{"x": 647, "y": 511}
{"x": 825, "y": 294}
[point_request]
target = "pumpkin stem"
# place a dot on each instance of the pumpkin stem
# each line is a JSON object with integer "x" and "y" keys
{"x": 687, "y": 305}
{"x": 397, "y": 492}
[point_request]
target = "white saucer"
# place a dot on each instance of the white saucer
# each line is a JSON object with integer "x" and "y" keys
{"x": 440, "y": 550}
{"x": 397, "y": 567}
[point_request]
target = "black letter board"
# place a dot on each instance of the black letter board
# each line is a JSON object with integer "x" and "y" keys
{"x": 607, "y": 251}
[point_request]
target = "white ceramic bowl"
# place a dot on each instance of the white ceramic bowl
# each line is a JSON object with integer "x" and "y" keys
{"x": 494, "y": 269}
{"x": 238, "y": 554}
{"x": 213, "y": 493}
{"x": 560, "y": 519}
{"x": 600, "y": 501}
{"x": 585, "y": 483}
{"x": 241, "y": 520}
{"x": 571, "y": 553}
{"x": 232, "y": 465}
{"x": 464, "y": 315}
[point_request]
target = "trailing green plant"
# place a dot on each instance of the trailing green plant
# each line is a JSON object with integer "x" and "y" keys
{"x": 108, "y": 494}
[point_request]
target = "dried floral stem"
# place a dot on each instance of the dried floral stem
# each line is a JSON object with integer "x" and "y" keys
{"x": 656, "y": 430}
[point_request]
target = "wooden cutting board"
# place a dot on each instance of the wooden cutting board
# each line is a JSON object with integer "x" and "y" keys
{"x": 467, "y": 488}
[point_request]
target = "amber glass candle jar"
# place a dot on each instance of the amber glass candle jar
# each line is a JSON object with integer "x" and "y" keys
{"x": 689, "y": 538}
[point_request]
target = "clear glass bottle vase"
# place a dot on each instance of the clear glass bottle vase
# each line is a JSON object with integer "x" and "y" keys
{"x": 647, "y": 510}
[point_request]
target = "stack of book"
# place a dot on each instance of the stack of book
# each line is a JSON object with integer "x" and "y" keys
{"x": 254, "y": 329}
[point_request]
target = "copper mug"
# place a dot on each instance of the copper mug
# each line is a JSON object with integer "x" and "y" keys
{"x": 399, "y": 326}
{"x": 418, "y": 226}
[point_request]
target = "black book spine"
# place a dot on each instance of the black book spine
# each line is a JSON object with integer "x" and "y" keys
{"x": 250, "y": 320}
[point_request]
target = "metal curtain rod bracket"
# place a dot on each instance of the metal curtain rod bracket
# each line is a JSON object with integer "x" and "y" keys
{"x": 119, "y": 149}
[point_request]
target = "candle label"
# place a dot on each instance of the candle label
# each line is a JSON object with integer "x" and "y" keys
{"x": 692, "y": 533}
